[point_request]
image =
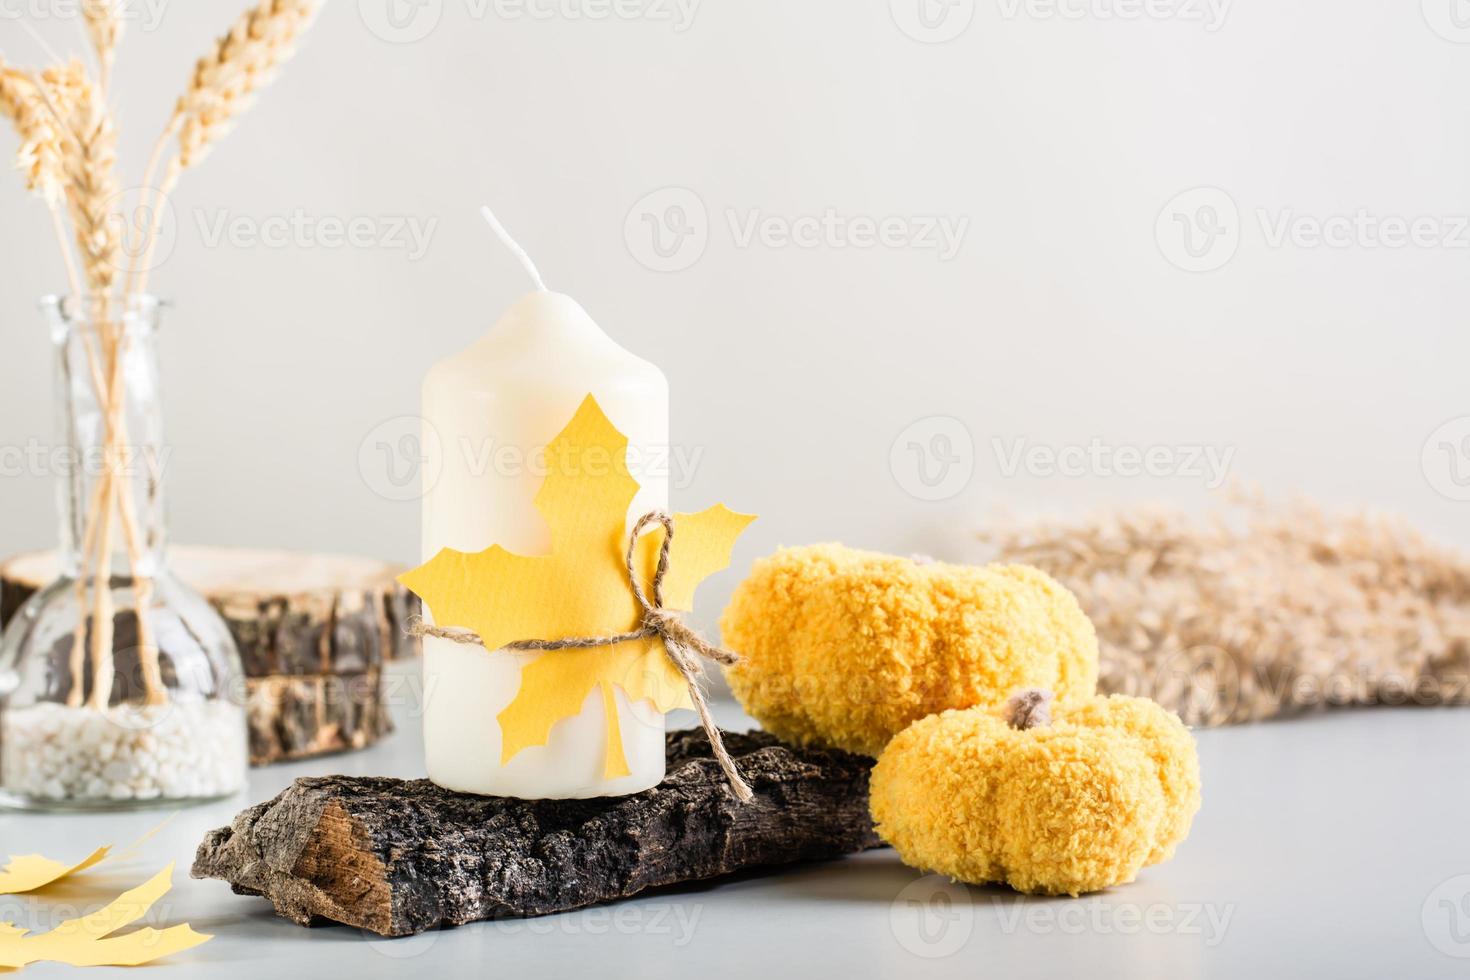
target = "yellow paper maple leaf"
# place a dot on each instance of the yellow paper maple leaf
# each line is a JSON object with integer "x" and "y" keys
{"x": 89, "y": 940}
{"x": 29, "y": 872}
{"x": 580, "y": 589}
{"x": 32, "y": 871}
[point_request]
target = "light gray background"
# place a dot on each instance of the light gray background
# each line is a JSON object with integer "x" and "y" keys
{"x": 1059, "y": 139}
{"x": 1073, "y": 145}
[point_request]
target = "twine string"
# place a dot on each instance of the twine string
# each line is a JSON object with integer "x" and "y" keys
{"x": 683, "y": 645}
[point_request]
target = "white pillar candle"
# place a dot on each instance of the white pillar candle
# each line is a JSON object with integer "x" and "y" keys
{"x": 488, "y": 411}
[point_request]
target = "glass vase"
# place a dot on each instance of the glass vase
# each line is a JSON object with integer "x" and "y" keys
{"x": 119, "y": 685}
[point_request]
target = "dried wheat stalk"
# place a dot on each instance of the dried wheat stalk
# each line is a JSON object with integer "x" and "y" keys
{"x": 223, "y": 83}
{"x": 68, "y": 153}
{"x": 90, "y": 153}
{"x": 1260, "y": 609}
{"x": 36, "y": 106}
{"x": 104, "y": 27}
{"x": 243, "y": 62}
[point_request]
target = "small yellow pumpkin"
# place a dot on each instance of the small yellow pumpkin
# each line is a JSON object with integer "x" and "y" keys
{"x": 1050, "y": 800}
{"x": 846, "y": 648}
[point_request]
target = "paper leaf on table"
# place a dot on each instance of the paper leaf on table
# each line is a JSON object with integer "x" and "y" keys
{"x": 580, "y": 589}
{"x": 32, "y": 871}
{"x": 90, "y": 940}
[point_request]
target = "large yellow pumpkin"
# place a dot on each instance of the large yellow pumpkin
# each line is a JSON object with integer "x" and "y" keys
{"x": 846, "y": 648}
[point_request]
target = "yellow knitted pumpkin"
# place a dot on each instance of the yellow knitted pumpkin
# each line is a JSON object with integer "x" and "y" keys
{"x": 846, "y": 648}
{"x": 1053, "y": 800}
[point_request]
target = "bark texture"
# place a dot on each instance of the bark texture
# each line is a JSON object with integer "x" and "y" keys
{"x": 398, "y": 857}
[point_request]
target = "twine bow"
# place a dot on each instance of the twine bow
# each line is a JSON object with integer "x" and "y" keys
{"x": 683, "y": 645}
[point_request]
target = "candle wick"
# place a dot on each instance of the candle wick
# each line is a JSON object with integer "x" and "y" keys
{"x": 514, "y": 247}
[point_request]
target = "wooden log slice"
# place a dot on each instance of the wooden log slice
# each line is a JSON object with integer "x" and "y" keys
{"x": 314, "y": 632}
{"x": 398, "y": 858}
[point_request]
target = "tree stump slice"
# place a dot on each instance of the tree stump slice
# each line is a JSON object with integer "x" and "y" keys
{"x": 399, "y": 857}
{"x": 314, "y": 633}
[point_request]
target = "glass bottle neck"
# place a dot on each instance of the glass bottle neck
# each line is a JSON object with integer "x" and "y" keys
{"x": 111, "y": 455}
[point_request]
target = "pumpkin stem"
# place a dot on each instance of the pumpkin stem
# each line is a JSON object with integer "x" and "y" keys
{"x": 1029, "y": 708}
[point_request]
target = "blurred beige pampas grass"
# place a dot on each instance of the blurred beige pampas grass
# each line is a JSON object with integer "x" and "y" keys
{"x": 1258, "y": 608}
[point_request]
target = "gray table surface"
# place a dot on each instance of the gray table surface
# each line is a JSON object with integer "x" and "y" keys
{"x": 1330, "y": 846}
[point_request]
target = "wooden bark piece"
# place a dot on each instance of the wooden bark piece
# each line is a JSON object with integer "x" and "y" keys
{"x": 314, "y": 632}
{"x": 290, "y": 613}
{"x": 397, "y": 857}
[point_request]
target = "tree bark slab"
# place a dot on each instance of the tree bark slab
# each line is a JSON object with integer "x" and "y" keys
{"x": 399, "y": 857}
